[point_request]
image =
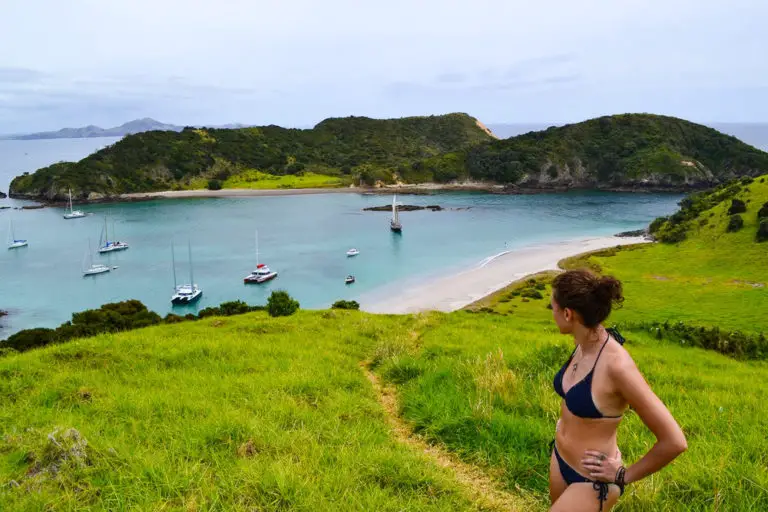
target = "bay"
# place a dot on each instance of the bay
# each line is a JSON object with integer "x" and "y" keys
{"x": 304, "y": 238}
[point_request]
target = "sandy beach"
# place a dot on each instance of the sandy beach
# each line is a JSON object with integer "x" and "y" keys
{"x": 420, "y": 188}
{"x": 460, "y": 289}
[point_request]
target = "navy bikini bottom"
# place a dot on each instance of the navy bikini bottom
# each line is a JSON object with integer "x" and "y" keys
{"x": 571, "y": 476}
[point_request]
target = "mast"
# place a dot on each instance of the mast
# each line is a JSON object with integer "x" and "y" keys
{"x": 173, "y": 259}
{"x": 395, "y": 216}
{"x": 70, "y": 201}
{"x": 191, "y": 275}
{"x": 257, "y": 248}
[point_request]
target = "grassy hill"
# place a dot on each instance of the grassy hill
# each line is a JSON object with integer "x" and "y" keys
{"x": 251, "y": 412}
{"x": 367, "y": 148}
{"x": 622, "y": 151}
{"x": 628, "y": 152}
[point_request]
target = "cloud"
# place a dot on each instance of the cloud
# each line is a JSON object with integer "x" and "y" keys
{"x": 19, "y": 75}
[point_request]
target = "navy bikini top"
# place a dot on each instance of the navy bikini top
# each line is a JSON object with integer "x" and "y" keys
{"x": 579, "y": 399}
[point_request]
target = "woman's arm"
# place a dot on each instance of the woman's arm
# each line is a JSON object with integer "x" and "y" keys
{"x": 670, "y": 440}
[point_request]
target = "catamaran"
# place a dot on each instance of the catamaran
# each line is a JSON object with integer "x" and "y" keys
{"x": 89, "y": 267}
{"x": 107, "y": 245}
{"x": 263, "y": 273}
{"x": 185, "y": 293}
{"x": 394, "y": 224}
{"x": 73, "y": 214}
{"x": 13, "y": 242}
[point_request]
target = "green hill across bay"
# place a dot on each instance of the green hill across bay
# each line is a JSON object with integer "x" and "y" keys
{"x": 624, "y": 152}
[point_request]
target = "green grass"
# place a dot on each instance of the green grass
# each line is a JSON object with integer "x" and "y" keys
{"x": 482, "y": 385}
{"x": 712, "y": 278}
{"x": 263, "y": 181}
{"x": 221, "y": 414}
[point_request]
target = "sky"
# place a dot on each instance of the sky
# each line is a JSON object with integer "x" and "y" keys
{"x": 296, "y": 62}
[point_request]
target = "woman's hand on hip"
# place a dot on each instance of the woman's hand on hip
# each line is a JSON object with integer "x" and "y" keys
{"x": 601, "y": 467}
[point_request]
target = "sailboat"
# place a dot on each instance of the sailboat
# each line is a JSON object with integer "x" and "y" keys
{"x": 394, "y": 224}
{"x": 89, "y": 267}
{"x": 73, "y": 214}
{"x": 263, "y": 273}
{"x": 185, "y": 293}
{"x": 13, "y": 242}
{"x": 110, "y": 246}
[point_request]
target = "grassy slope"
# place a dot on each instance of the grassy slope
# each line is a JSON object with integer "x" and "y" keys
{"x": 263, "y": 181}
{"x": 712, "y": 278}
{"x": 165, "y": 411}
{"x": 481, "y": 383}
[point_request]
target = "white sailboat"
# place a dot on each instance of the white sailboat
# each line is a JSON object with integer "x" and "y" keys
{"x": 262, "y": 273}
{"x": 73, "y": 214}
{"x": 89, "y": 267}
{"x": 13, "y": 242}
{"x": 395, "y": 224}
{"x": 110, "y": 246}
{"x": 185, "y": 293}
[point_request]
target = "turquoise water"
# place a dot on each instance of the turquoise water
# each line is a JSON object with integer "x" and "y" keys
{"x": 304, "y": 238}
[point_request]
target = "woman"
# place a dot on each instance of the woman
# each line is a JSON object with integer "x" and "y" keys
{"x": 598, "y": 383}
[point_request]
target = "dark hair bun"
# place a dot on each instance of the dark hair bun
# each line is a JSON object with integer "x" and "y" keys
{"x": 608, "y": 289}
{"x": 591, "y": 296}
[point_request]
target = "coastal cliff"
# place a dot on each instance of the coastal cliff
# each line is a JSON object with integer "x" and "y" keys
{"x": 629, "y": 152}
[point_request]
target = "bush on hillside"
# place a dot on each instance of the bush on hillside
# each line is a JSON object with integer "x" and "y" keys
{"x": 762, "y": 231}
{"x": 737, "y": 206}
{"x": 657, "y": 224}
{"x": 31, "y": 338}
{"x": 346, "y": 304}
{"x": 281, "y": 304}
{"x": 763, "y": 212}
{"x": 235, "y": 307}
{"x": 735, "y": 223}
{"x": 731, "y": 343}
{"x": 214, "y": 184}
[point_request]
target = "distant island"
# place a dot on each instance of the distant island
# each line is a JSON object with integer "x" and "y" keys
{"x": 131, "y": 127}
{"x": 628, "y": 152}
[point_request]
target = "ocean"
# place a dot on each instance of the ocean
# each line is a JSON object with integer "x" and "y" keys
{"x": 304, "y": 238}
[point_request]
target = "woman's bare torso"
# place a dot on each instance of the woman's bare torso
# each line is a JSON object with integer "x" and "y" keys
{"x": 575, "y": 435}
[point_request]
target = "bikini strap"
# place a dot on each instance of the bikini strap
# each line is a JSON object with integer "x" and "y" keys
{"x": 607, "y": 338}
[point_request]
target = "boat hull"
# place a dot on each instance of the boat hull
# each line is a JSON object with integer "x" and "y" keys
{"x": 74, "y": 215}
{"x": 16, "y": 245}
{"x": 96, "y": 272}
{"x": 187, "y": 299}
{"x": 259, "y": 279}
{"x": 113, "y": 248}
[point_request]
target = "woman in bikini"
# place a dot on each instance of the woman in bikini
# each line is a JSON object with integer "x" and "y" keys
{"x": 598, "y": 383}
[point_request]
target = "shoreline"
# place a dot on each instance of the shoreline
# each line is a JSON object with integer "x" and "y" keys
{"x": 457, "y": 291}
{"x": 410, "y": 189}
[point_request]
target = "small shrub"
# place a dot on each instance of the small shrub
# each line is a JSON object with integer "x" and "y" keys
{"x": 762, "y": 231}
{"x": 346, "y": 304}
{"x": 170, "y": 318}
{"x": 31, "y": 338}
{"x": 541, "y": 286}
{"x": 737, "y": 206}
{"x": 532, "y": 293}
{"x": 763, "y": 212}
{"x": 656, "y": 224}
{"x": 281, "y": 304}
{"x": 214, "y": 184}
{"x": 735, "y": 223}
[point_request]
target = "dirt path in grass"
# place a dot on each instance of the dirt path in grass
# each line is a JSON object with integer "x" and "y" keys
{"x": 480, "y": 488}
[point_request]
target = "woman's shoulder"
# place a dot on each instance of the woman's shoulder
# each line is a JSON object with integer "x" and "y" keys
{"x": 619, "y": 360}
